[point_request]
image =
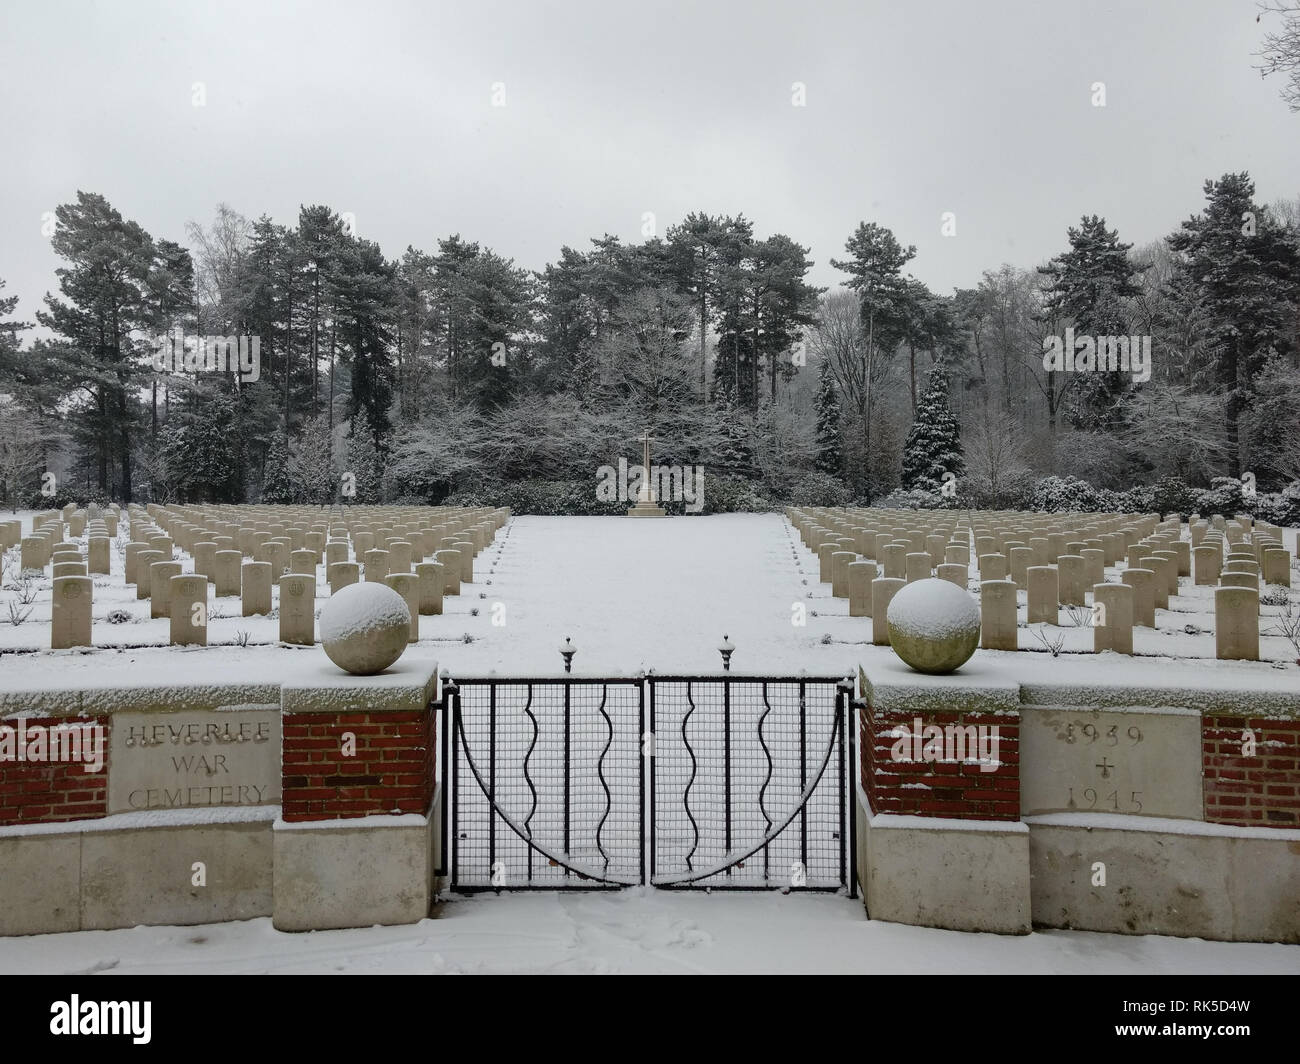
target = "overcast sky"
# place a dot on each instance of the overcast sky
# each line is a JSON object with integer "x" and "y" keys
{"x": 979, "y": 107}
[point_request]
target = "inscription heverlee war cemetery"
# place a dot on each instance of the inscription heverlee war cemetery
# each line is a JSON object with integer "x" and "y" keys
{"x": 227, "y": 757}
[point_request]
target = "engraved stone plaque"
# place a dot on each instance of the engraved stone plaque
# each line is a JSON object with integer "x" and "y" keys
{"x": 175, "y": 760}
{"x": 1108, "y": 761}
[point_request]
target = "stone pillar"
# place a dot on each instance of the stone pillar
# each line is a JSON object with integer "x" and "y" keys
{"x": 408, "y": 586}
{"x": 70, "y": 612}
{"x": 341, "y": 574}
{"x": 160, "y": 592}
{"x": 1112, "y": 626}
{"x": 376, "y": 571}
{"x": 998, "y": 615}
{"x": 298, "y": 609}
{"x": 883, "y": 590}
{"x": 188, "y": 600}
{"x": 1043, "y": 590}
{"x": 433, "y": 579}
{"x": 861, "y": 574}
{"x": 1236, "y": 623}
{"x": 450, "y": 562}
{"x": 256, "y": 588}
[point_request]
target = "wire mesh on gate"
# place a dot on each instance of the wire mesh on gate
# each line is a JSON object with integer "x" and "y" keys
{"x": 561, "y": 759}
{"x": 733, "y": 759}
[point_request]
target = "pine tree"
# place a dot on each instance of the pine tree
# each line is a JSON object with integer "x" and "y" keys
{"x": 1091, "y": 285}
{"x": 830, "y": 452}
{"x": 934, "y": 442}
{"x": 1244, "y": 273}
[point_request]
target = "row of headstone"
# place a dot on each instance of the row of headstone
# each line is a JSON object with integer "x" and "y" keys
{"x": 1056, "y": 559}
{"x": 251, "y": 554}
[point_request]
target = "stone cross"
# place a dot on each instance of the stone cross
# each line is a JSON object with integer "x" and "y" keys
{"x": 645, "y": 439}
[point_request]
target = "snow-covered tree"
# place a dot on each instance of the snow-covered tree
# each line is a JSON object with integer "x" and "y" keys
{"x": 830, "y": 451}
{"x": 311, "y": 464}
{"x": 934, "y": 443}
{"x": 276, "y": 484}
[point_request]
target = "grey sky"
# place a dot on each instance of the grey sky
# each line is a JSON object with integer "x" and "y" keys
{"x": 614, "y": 109}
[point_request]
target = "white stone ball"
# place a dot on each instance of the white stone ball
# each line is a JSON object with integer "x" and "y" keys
{"x": 365, "y": 628}
{"x": 934, "y": 625}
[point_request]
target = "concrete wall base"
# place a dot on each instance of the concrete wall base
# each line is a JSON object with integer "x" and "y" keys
{"x": 353, "y": 873}
{"x": 99, "y": 877}
{"x": 1198, "y": 881}
{"x": 935, "y": 872}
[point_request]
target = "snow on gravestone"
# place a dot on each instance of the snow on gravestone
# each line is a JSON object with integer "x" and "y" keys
{"x": 174, "y": 760}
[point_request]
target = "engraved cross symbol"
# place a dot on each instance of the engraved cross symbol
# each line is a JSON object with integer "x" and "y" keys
{"x": 1105, "y": 767}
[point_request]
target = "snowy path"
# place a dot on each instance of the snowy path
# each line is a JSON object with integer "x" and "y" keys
{"x": 635, "y": 931}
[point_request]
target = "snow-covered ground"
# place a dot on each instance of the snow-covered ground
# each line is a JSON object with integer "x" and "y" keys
{"x": 638, "y": 930}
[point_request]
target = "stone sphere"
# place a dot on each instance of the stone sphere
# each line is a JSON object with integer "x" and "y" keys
{"x": 934, "y": 625}
{"x": 365, "y": 628}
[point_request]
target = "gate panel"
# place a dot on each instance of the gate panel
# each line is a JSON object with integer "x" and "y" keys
{"x": 737, "y": 758}
{"x": 553, "y": 762}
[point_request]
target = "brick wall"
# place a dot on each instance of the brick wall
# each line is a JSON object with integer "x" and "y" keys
{"x": 939, "y": 788}
{"x": 1258, "y": 791}
{"x": 43, "y": 791}
{"x": 392, "y": 771}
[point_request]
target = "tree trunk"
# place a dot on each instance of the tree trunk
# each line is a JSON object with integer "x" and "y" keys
{"x": 911, "y": 358}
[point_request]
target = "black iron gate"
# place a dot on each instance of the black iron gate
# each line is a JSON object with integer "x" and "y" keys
{"x": 749, "y": 783}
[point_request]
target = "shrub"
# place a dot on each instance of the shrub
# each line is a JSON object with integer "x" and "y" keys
{"x": 1063, "y": 494}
